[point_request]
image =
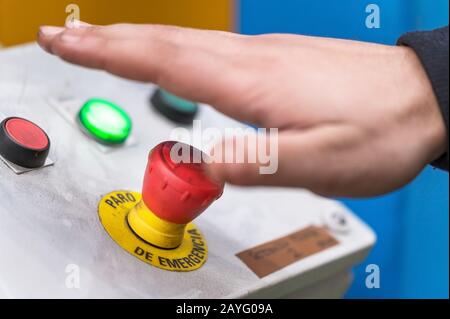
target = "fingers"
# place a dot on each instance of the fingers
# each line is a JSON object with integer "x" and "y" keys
{"x": 215, "y": 41}
{"x": 187, "y": 62}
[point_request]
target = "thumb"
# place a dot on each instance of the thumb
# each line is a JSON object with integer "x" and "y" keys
{"x": 244, "y": 160}
{"x": 316, "y": 159}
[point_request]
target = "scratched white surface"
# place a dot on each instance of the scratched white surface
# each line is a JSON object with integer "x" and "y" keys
{"x": 48, "y": 218}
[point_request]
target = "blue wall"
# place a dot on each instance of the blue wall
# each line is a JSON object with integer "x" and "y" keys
{"x": 412, "y": 224}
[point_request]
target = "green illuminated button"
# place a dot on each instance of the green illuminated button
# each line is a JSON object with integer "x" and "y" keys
{"x": 105, "y": 121}
{"x": 173, "y": 107}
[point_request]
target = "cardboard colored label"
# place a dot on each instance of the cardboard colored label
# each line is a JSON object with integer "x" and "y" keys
{"x": 277, "y": 254}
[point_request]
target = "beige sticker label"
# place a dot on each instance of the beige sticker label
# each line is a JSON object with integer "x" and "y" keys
{"x": 277, "y": 254}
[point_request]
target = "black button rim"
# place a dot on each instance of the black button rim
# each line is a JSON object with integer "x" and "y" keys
{"x": 175, "y": 115}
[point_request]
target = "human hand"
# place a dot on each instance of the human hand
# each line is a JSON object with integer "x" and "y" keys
{"x": 355, "y": 119}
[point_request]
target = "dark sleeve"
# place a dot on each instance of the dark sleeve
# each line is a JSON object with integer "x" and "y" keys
{"x": 432, "y": 50}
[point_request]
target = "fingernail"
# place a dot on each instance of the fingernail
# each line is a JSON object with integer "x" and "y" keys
{"x": 212, "y": 173}
{"x": 50, "y": 31}
{"x": 77, "y": 24}
{"x": 70, "y": 37}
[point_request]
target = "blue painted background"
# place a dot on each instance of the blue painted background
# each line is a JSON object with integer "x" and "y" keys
{"x": 412, "y": 224}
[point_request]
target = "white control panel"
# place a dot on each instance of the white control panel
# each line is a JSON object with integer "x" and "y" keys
{"x": 52, "y": 243}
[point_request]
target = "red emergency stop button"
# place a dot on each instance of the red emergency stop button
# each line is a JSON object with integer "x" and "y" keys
{"x": 176, "y": 187}
{"x": 23, "y": 143}
{"x": 176, "y": 190}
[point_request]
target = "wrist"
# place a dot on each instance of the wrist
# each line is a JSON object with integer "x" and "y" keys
{"x": 423, "y": 108}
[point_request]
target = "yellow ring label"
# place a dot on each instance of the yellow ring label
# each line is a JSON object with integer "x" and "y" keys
{"x": 113, "y": 210}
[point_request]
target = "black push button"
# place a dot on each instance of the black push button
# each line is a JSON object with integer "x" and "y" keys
{"x": 23, "y": 143}
{"x": 173, "y": 107}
